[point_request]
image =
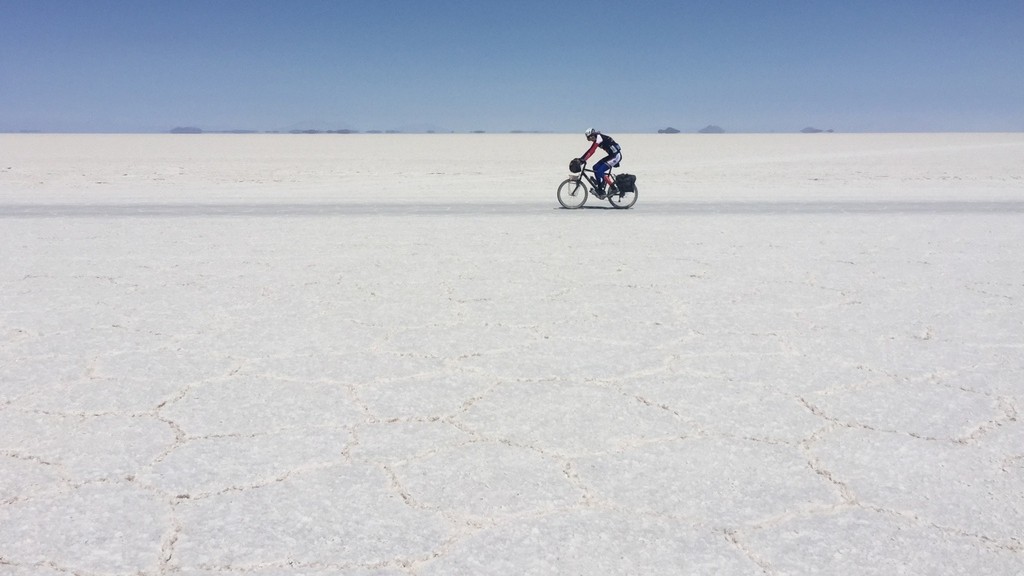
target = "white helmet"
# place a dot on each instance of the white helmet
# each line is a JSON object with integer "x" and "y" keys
{"x": 590, "y": 132}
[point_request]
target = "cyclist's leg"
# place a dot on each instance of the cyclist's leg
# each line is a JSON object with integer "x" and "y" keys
{"x": 606, "y": 163}
{"x": 610, "y": 162}
{"x": 600, "y": 169}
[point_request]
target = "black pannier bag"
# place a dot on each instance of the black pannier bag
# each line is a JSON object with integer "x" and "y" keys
{"x": 625, "y": 182}
{"x": 574, "y": 166}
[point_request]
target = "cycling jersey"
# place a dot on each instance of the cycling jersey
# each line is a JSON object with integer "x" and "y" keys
{"x": 606, "y": 143}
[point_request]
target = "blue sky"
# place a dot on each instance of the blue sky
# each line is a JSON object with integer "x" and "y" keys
{"x": 548, "y": 65}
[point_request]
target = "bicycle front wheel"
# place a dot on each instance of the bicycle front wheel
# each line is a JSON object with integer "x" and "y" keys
{"x": 572, "y": 193}
{"x": 624, "y": 200}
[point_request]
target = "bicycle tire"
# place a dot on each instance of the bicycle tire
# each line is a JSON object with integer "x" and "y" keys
{"x": 625, "y": 200}
{"x": 572, "y": 193}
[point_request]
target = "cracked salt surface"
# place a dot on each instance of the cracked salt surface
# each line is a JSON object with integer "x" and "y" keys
{"x": 774, "y": 373}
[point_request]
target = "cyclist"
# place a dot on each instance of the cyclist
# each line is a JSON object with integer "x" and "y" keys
{"x": 614, "y": 156}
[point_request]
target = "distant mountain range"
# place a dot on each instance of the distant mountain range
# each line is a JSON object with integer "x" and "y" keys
{"x": 713, "y": 129}
{"x": 427, "y": 129}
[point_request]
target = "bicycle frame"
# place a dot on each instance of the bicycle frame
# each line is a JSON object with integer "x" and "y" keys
{"x": 573, "y": 192}
{"x": 588, "y": 175}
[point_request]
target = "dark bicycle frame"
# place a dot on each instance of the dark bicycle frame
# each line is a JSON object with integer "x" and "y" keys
{"x": 588, "y": 174}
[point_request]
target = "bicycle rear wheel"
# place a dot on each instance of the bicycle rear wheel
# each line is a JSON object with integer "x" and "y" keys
{"x": 624, "y": 200}
{"x": 572, "y": 193}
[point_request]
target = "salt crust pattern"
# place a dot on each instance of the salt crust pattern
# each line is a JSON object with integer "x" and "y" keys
{"x": 271, "y": 355}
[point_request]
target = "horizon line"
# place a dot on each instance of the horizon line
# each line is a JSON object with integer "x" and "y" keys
{"x": 348, "y": 132}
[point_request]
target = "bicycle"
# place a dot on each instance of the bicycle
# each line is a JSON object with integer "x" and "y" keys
{"x": 573, "y": 192}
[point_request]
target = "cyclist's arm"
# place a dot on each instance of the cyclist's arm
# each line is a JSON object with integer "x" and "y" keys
{"x": 590, "y": 152}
